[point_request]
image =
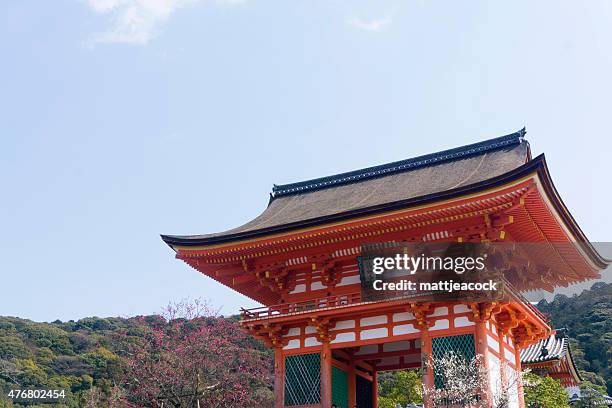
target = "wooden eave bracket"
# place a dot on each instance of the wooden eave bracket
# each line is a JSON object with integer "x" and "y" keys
{"x": 420, "y": 312}
{"x": 323, "y": 324}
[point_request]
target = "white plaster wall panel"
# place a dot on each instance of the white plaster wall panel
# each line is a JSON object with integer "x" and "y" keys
{"x": 494, "y": 329}
{"x": 349, "y": 280}
{"x": 461, "y": 309}
{"x": 310, "y": 330}
{"x": 404, "y": 329}
{"x": 402, "y": 317}
{"x": 369, "y": 349}
{"x": 463, "y": 321}
{"x": 440, "y": 311}
{"x": 374, "y": 333}
{"x": 509, "y": 355}
{"x": 440, "y": 324}
{"x": 299, "y": 288}
{"x": 396, "y": 346}
{"x": 294, "y": 331}
{"x": 371, "y": 321}
{"x": 344, "y": 324}
{"x": 311, "y": 341}
{"x": 316, "y": 285}
{"x": 291, "y": 344}
{"x": 494, "y": 344}
{"x": 344, "y": 337}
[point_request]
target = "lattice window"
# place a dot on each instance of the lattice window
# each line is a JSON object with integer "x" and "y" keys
{"x": 340, "y": 388}
{"x": 303, "y": 379}
{"x": 463, "y": 345}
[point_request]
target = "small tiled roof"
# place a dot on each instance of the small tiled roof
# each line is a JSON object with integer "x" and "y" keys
{"x": 552, "y": 348}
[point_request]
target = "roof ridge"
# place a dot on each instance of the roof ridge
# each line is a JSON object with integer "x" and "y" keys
{"x": 399, "y": 166}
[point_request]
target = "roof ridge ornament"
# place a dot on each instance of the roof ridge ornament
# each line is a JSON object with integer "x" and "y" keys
{"x": 457, "y": 153}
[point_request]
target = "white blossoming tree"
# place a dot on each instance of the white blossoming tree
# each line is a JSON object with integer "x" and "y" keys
{"x": 462, "y": 383}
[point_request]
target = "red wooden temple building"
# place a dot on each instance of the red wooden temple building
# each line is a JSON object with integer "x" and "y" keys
{"x": 298, "y": 258}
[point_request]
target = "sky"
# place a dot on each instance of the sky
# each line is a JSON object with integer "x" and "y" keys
{"x": 124, "y": 119}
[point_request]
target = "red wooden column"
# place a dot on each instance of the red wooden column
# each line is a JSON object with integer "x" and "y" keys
{"x": 519, "y": 369}
{"x": 482, "y": 349}
{"x": 326, "y": 375}
{"x": 426, "y": 350}
{"x": 352, "y": 385}
{"x": 279, "y": 378}
{"x": 374, "y": 388}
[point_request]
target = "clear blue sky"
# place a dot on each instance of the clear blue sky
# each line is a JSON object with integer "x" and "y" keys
{"x": 124, "y": 119}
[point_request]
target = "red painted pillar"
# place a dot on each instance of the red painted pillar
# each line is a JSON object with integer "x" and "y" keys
{"x": 279, "y": 378}
{"x": 352, "y": 385}
{"x": 326, "y": 375}
{"x": 519, "y": 369}
{"x": 482, "y": 350}
{"x": 374, "y": 388}
{"x": 426, "y": 357}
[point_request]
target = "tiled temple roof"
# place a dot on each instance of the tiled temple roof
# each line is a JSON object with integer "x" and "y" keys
{"x": 372, "y": 189}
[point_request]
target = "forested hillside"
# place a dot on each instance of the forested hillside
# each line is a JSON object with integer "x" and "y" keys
{"x": 588, "y": 320}
{"x": 102, "y": 362}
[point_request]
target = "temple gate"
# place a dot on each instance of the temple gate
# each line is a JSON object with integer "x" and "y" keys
{"x": 299, "y": 258}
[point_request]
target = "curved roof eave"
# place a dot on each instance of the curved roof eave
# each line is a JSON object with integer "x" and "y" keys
{"x": 536, "y": 165}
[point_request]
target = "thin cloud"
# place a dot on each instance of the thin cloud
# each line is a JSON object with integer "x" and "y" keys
{"x": 136, "y": 21}
{"x": 374, "y": 25}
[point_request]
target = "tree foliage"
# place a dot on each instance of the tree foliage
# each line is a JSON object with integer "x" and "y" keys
{"x": 588, "y": 318}
{"x": 544, "y": 392}
{"x": 400, "y": 387}
{"x": 193, "y": 361}
{"x": 95, "y": 360}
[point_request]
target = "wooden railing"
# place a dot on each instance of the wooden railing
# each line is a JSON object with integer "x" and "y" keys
{"x": 349, "y": 299}
{"x": 301, "y": 307}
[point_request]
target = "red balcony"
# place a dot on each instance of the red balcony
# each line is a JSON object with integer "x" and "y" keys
{"x": 328, "y": 302}
{"x": 301, "y": 307}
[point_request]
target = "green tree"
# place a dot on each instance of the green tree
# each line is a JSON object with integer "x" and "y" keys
{"x": 588, "y": 319}
{"x": 401, "y": 387}
{"x": 544, "y": 392}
